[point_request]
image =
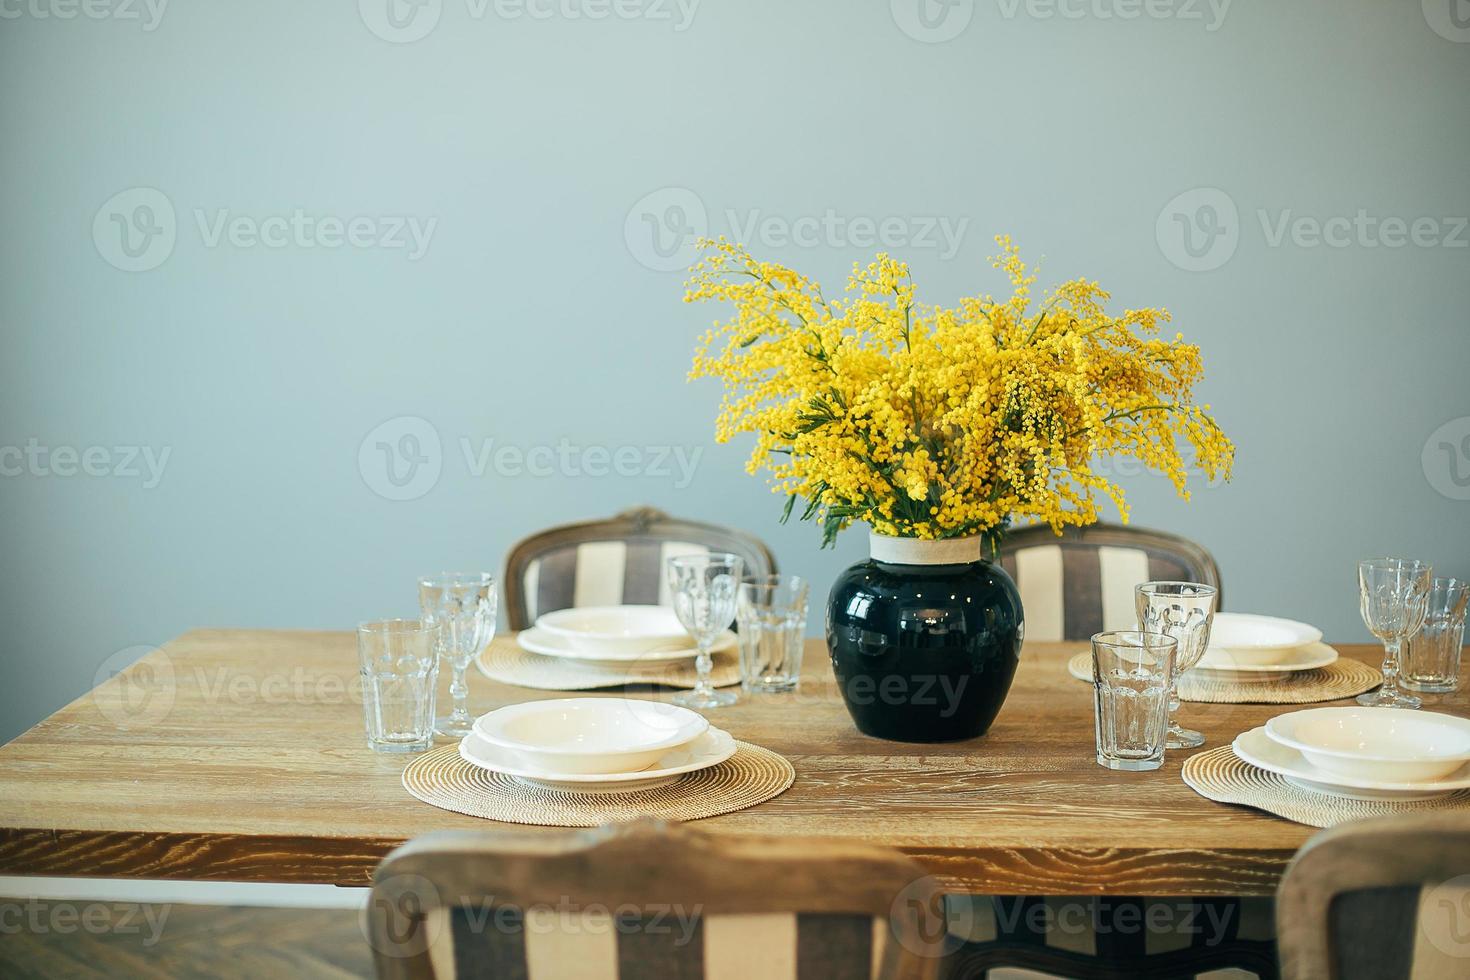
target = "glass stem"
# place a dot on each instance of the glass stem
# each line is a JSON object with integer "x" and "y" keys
{"x": 703, "y": 664}
{"x": 1173, "y": 702}
{"x": 459, "y": 691}
{"x": 1391, "y": 666}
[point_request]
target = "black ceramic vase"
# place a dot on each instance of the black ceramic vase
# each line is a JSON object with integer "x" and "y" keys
{"x": 925, "y": 637}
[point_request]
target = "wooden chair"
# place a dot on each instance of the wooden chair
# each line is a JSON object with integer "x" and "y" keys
{"x": 610, "y": 562}
{"x": 648, "y": 899}
{"x": 1082, "y": 582}
{"x": 1379, "y": 898}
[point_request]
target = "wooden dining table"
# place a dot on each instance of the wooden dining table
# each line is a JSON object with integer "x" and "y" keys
{"x": 240, "y": 755}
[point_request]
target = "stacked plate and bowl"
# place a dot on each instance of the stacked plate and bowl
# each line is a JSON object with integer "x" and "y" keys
{"x": 615, "y": 636}
{"x": 1363, "y": 753}
{"x": 1247, "y": 649}
{"x": 609, "y": 745}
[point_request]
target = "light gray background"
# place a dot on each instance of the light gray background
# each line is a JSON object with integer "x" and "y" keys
{"x": 533, "y": 317}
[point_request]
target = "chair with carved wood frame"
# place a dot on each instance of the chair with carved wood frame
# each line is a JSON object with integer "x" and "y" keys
{"x": 1388, "y": 897}
{"x": 1081, "y": 582}
{"x": 614, "y": 561}
{"x": 649, "y": 899}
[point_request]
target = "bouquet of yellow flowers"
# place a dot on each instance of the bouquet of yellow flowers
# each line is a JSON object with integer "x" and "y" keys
{"x": 930, "y": 423}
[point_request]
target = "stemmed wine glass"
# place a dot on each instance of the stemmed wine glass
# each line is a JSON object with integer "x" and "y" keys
{"x": 704, "y": 588}
{"x": 1394, "y": 596}
{"x": 1185, "y": 611}
{"x": 464, "y": 604}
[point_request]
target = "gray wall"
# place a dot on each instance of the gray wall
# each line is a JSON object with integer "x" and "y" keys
{"x": 541, "y": 148}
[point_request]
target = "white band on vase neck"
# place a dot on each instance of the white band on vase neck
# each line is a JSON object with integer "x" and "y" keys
{"x": 919, "y": 551}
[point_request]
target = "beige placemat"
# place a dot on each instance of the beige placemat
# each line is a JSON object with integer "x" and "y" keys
{"x": 1222, "y": 776}
{"x": 1344, "y": 678}
{"x": 752, "y": 775}
{"x": 503, "y": 660}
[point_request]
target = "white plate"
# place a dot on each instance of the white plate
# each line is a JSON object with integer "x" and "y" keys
{"x": 1376, "y": 743}
{"x": 709, "y": 749}
{"x": 536, "y": 640}
{"x": 611, "y": 631}
{"x": 1259, "y": 639}
{"x": 590, "y": 734}
{"x": 1258, "y": 749}
{"x": 1223, "y": 665}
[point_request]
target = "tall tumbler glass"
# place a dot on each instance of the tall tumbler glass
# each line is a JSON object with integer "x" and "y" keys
{"x": 771, "y": 612}
{"x": 1131, "y": 675}
{"x": 399, "y": 663}
{"x": 1432, "y": 661}
{"x": 1185, "y": 611}
{"x": 464, "y": 604}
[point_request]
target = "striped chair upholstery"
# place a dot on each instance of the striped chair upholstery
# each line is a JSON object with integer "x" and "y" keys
{"x": 1111, "y": 938}
{"x": 1082, "y": 582}
{"x": 651, "y": 900}
{"x": 611, "y": 562}
{"x": 1379, "y": 898}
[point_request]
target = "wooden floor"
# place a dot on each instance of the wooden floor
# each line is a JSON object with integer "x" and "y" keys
{"x": 48, "y": 940}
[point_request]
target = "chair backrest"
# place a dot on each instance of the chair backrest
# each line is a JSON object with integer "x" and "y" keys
{"x": 615, "y": 561}
{"x": 1388, "y": 897}
{"x": 1082, "y": 582}
{"x": 648, "y": 899}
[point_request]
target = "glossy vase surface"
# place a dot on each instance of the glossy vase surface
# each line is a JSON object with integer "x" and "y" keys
{"x": 925, "y": 638}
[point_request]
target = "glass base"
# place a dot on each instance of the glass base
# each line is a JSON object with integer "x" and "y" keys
{"x": 714, "y": 699}
{"x": 1431, "y": 687}
{"x": 1128, "y": 765}
{"x": 398, "y": 748}
{"x": 1183, "y": 738}
{"x": 454, "y": 727}
{"x": 768, "y": 687}
{"x": 1389, "y": 699}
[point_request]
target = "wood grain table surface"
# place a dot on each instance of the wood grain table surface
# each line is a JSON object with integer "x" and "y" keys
{"x": 240, "y": 755}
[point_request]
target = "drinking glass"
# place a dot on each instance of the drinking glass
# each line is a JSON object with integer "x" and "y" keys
{"x": 399, "y": 663}
{"x": 1131, "y": 673}
{"x": 771, "y": 611}
{"x": 1394, "y": 594}
{"x": 464, "y": 604}
{"x": 1185, "y": 611}
{"x": 704, "y": 587}
{"x": 1432, "y": 663}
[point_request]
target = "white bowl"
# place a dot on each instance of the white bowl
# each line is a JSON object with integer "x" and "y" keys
{"x": 1243, "y": 669}
{"x": 1252, "y": 639}
{"x": 1376, "y": 743}
{"x": 616, "y": 629}
{"x": 590, "y": 735}
{"x": 709, "y": 749}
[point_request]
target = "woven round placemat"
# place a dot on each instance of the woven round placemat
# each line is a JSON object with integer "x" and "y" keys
{"x": 752, "y": 775}
{"x": 1220, "y": 775}
{"x": 1344, "y": 678}
{"x": 504, "y": 660}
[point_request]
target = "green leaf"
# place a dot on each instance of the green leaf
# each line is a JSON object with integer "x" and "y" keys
{"x": 786, "y": 511}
